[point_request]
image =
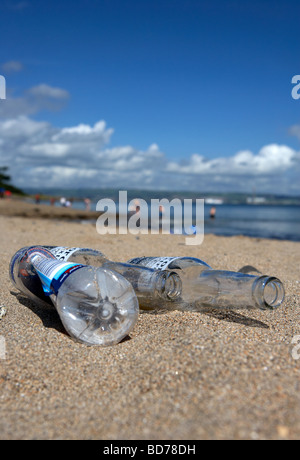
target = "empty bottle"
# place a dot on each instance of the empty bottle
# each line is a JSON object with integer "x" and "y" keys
{"x": 215, "y": 288}
{"x": 25, "y": 278}
{"x": 153, "y": 288}
{"x": 85, "y": 256}
{"x": 97, "y": 306}
{"x": 203, "y": 287}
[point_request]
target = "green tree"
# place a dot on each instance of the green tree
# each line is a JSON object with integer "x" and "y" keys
{"x": 5, "y": 180}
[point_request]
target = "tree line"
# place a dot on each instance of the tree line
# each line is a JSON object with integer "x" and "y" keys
{"x": 5, "y": 182}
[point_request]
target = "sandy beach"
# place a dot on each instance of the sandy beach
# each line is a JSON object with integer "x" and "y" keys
{"x": 179, "y": 376}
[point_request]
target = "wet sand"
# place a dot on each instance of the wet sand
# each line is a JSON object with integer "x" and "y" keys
{"x": 179, "y": 376}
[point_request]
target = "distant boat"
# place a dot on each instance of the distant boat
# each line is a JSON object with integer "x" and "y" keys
{"x": 214, "y": 201}
{"x": 256, "y": 200}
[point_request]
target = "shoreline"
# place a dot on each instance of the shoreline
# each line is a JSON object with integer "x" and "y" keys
{"x": 18, "y": 207}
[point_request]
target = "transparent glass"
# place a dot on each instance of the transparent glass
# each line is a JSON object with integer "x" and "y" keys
{"x": 153, "y": 288}
{"x": 203, "y": 287}
{"x": 200, "y": 285}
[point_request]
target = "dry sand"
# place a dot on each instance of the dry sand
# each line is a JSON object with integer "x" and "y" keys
{"x": 180, "y": 376}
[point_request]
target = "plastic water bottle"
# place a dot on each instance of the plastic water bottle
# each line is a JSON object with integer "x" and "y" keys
{"x": 97, "y": 306}
{"x": 153, "y": 288}
{"x": 86, "y": 256}
{"x": 204, "y": 287}
{"x": 25, "y": 278}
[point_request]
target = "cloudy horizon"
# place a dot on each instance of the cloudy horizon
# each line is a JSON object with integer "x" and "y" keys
{"x": 38, "y": 153}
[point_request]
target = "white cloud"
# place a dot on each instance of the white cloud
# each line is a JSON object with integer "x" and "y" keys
{"x": 22, "y": 127}
{"x": 50, "y": 150}
{"x": 34, "y": 100}
{"x": 42, "y": 155}
{"x": 12, "y": 67}
{"x": 46, "y": 91}
{"x": 270, "y": 159}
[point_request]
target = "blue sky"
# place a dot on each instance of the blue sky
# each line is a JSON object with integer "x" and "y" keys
{"x": 191, "y": 94}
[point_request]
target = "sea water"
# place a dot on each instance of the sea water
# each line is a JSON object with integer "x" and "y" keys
{"x": 260, "y": 221}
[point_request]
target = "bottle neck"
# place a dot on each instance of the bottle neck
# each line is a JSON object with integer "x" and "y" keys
{"x": 167, "y": 285}
{"x": 225, "y": 289}
{"x": 268, "y": 292}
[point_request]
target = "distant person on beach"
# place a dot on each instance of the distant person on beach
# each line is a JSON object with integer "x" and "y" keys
{"x": 87, "y": 203}
{"x": 161, "y": 211}
{"x": 63, "y": 201}
{"x": 37, "y": 199}
{"x": 7, "y": 194}
{"x": 212, "y": 212}
{"x": 52, "y": 201}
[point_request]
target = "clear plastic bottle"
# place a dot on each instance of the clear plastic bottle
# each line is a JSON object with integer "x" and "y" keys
{"x": 25, "y": 279}
{"x": 86, "y": 256}
{"x": 97, "y": 306}
{"x": 153, "y": 288}
{"x": 203, "y": 287}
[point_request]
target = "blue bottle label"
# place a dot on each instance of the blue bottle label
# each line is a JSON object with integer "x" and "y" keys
{"x": 52, "y": 272}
